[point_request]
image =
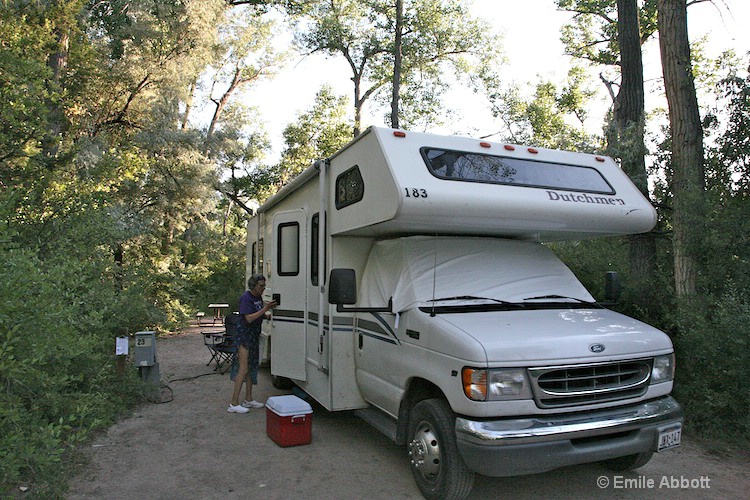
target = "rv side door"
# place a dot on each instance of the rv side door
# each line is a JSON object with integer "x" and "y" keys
{"x": 288, "y": 283}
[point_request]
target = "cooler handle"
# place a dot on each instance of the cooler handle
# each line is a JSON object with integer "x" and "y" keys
{"x": 298, "y": 416}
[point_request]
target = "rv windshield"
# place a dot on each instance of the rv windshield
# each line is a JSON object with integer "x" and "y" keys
{"x": 475, "y": 167}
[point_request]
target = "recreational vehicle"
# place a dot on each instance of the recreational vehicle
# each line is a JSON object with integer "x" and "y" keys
{"x": 414, "y": 288}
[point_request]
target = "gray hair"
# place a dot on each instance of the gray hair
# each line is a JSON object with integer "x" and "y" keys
{"x": 254, "y": 279}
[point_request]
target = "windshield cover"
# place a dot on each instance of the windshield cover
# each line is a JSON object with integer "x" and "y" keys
{"x": 416, "y": 270}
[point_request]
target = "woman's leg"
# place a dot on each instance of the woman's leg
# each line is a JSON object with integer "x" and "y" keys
{"x": 253, "y": 355}
{"x": 242, "y": 374}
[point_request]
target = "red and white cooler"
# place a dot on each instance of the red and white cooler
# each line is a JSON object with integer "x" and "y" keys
{"x": 288, "y": 420}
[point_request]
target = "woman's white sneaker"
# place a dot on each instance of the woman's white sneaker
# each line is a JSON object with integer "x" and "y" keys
{"x": 237, "y": 409}
{"x": 252, "y": 404}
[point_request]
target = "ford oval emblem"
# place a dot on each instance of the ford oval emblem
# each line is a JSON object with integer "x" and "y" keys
{"x": 597, "y": 348}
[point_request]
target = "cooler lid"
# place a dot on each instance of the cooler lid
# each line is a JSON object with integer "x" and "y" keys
{"x": 290, "y": 405}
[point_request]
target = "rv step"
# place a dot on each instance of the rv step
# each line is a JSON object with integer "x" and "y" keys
{"x": 379, "y": 420}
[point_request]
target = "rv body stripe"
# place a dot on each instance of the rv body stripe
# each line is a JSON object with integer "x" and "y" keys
{"x": 379, "y": 330}
{"x": 340, "y": 323}
{"x": 377, "y": 337}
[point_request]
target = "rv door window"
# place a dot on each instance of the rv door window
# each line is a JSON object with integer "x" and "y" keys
{"x": 475, "y": 167}
{"x": 288, "y": 249}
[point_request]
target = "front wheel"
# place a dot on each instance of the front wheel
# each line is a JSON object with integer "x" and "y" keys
{"x": 436, "y": 465}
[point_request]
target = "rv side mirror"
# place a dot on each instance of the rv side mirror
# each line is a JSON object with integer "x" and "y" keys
{"x": 342, "y": 287}
{"x": 612, "y": 287}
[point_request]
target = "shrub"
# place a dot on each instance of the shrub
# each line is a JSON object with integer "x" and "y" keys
{"x": 713, "y": 366}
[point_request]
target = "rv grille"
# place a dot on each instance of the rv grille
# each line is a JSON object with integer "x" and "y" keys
{"x": 584, "y": 384}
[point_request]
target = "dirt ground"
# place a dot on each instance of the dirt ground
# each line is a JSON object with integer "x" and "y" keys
{"x": 188, "y": 446}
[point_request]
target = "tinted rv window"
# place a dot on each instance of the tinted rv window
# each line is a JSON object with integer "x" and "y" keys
{"x": 314, "y": 232}
{"x": 260, "y": 255}
{"x": 288, "y": 249}
{"x": 253, "y": 258}
{"x": 475, "y": 167}
{"x": 350, "y": 188}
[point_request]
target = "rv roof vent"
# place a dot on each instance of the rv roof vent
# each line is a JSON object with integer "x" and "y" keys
{"x": 509, "y": 147}
{"x": 485, "y": 144}
{"x": 399, "y": 133}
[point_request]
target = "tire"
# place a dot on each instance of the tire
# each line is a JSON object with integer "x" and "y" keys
{"x": 628, "y": 462}
{"x": 435, "y": 462}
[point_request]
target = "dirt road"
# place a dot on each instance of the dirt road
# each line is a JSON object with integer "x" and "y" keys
{"x": 191, "y": 447}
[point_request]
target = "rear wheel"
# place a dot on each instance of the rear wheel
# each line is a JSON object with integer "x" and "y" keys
{"x": 435, "y": 462}
{"x": 628, "y": 462}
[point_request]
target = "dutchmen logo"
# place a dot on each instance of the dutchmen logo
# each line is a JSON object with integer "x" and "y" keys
{"x": 584, "y": 198}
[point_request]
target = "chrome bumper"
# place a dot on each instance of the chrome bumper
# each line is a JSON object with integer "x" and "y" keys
{"x": 570, "y": 426}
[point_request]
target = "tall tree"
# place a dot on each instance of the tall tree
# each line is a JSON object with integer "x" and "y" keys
{"x": 545, "y": 118}
{"x": 318, "y": 133}
{"x": 247, "y": 55}
{"x": 628, "y": 134}
{"x": 397, "y": 62}
{"x": 611, "y": 33}
{"x": 688, "y": 178}
{"x": 370, "y": 36}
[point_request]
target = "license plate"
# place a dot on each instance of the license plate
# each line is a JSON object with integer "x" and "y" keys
{"x": 669, "y": 438}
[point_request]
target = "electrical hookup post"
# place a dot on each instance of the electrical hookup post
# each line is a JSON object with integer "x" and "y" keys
{"x": 148, "y": 367}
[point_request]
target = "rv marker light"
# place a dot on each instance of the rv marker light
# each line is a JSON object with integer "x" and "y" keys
{"x": 485, "y": 144}
{"x": 532, "y": 151}
{"x": 599, "y": 158}
{"x": 398, "y": 133}
{"x": 509, "y": 147}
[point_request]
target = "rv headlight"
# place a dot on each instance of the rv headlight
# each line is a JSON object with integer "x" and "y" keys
{"x": 495, "y": 385}
{"x": 663, "y": 370}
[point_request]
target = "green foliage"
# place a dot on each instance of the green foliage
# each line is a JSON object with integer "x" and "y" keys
{"x": 553, "y": 117}
{"x": 713, "y": 361}
{"x": 440, "y": 39}
{"x": 317, "y": 134}
{"x": 58, "y": 320}
{"x": 592, "y": 33}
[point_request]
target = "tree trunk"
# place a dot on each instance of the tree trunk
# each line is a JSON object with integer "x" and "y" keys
{"x": 397, "y": 55}
{"x": 358, "y": 103}
{"x": 629, "y": 120}
{"x": 58, "y": 62}
{"x": 188, "y": 106}
{"x": 688, "y": 178}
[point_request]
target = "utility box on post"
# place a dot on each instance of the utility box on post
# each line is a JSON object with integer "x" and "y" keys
{"x": 145, "y": 349}
{"x": 145, "y": 360}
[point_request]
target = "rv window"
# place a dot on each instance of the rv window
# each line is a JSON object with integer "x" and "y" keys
{"x": 253, "y": 257}
{"x": 314, "y": 232}
{"x": 350, "y": 188}
{"x": 260, "y": 256}
{"x": 288, "y": 249}
{"x": 475, "y": 167}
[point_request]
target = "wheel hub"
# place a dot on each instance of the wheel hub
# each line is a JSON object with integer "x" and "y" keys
{"x": 424, "y": 452}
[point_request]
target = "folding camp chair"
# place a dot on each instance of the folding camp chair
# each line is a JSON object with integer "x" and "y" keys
{"x": 221, "y": 344}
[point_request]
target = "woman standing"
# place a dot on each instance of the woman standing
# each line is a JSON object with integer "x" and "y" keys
{"x": 252, "y": 311}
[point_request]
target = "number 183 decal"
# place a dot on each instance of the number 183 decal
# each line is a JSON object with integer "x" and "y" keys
{"x": 416, "y": 193}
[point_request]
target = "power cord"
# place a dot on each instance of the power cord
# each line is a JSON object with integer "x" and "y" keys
{"x": 171, "y": 392}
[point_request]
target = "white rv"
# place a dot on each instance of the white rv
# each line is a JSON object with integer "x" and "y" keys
{"x": 414, "y": 288}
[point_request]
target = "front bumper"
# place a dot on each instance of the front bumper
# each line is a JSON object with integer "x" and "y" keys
{"x": 512, "y": 447}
